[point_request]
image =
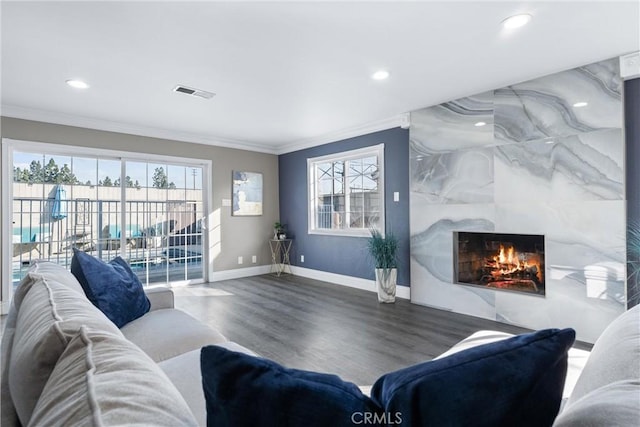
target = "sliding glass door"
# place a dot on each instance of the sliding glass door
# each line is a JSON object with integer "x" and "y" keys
{"x": 148, "y": 211}
{"x": 164, "y": 217}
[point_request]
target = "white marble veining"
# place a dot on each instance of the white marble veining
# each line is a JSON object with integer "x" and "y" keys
{"x": 464, "y": 176}
{"x": 544, "y": 107}
{"x": 432, "y": 257}
{"x": 452, "y": 125}
{"x": 586, "y": 166}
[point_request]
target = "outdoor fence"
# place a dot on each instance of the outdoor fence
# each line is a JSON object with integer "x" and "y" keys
{"x": 161, "y": 240}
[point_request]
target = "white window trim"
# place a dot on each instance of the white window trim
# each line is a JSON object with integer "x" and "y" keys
{"x": 373, "y": 150}
{"x": 11, "y": 145}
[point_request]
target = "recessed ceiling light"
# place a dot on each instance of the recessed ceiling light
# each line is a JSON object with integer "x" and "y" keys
{"x": 516, "y": 21}
{"x": 380, "y": 75}
{"x": 580, "y": 104}
{"x": 78, "y": 84}
{"x": 478, "y": 124}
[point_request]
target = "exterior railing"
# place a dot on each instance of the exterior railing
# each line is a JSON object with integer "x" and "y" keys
{"x": 162, "y": 240}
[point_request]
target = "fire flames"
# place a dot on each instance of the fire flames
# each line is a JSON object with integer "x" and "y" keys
{"x": 508, "y": 263}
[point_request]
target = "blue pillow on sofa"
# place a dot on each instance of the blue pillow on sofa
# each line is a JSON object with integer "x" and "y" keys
{"x": 243, "y": 390}
{"x": 112, "y": 287}
{"x": 515, "y": 382}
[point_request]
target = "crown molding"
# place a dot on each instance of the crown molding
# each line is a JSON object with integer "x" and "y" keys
{"x": 630, "y": 66}
{"x": 119, "y": 127}
{"x": 400, "y": 120}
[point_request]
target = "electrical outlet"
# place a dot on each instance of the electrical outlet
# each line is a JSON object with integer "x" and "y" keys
{"x": 396, "y": 196}
{"x": 301, "y": 258}
{"x": 240, "y": 261}
{"x": 254, "y": 259}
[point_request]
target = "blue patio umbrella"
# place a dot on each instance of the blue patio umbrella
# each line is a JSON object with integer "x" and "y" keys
{"x": 59, "y": 205}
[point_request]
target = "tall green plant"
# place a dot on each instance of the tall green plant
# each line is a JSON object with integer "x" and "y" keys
{"x": 383, "y": 250}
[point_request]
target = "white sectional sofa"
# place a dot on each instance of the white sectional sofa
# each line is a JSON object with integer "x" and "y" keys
{"x": 602, "y": 386}
{"x": 147, "y": 372}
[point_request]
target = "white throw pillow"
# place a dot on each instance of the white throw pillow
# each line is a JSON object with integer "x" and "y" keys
{"x": 105, "y": 380}
{"x": 48, "y": 315}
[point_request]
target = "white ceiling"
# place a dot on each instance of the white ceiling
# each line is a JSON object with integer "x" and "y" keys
{"x": 287, "y": 74}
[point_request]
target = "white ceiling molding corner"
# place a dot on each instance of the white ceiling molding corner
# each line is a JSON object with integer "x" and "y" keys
{"x": 111, "y": 126}
{"x": 630, "y": 65}
{"x": 351, "y": 132}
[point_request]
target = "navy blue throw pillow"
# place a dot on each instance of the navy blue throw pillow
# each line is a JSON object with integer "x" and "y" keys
{"x": 243, "y": 390}
{"x": 112, "y": 287}
{"x": 515, "y": 382}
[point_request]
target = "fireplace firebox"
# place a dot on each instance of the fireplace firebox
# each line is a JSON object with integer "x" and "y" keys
{"x": 506, "y": 262}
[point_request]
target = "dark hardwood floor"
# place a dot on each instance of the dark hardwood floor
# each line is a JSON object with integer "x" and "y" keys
{"x": 308, "y": 324}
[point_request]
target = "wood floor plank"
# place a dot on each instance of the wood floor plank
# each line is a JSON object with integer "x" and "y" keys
{"x": 313, "y": 325}
{"x": 308, "y": 324}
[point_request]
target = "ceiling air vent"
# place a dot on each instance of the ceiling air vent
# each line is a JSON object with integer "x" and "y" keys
{"x": 194, "y": 92}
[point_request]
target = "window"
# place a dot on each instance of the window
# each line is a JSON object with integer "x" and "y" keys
{"x": 149, "y": 209}
{"x": 346, "y": 192}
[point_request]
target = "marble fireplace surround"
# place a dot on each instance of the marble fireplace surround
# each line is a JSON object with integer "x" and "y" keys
{"x": 535, "y": 146}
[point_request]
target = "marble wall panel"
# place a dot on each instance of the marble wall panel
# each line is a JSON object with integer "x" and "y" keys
{"x": 563, "y": 307}
{"x": 432, "y": 257}
{"x": 588, "y": 232}
{"x": 543, "y": 107}
{"x": 585, "y": 265}
{"x": 451, "y": 126}
{"x": 433, "y": 292}
{"x": 464, "y": 176}
{"x": 586, "y": 166}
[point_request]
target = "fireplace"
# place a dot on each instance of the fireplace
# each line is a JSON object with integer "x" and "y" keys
{"x": 506, "y": 262}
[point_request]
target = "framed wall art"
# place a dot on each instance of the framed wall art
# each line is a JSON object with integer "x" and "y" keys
{"x": 247, "y": 194}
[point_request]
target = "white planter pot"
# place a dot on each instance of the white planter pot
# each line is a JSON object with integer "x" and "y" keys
{"x": 386, "y": 283}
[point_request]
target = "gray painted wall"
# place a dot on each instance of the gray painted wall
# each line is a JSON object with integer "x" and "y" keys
{"x": 347, "y": 255}
{"x": 240, "y": 236}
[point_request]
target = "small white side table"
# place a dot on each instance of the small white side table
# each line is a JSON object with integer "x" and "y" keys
{"x": 280, "y": 252}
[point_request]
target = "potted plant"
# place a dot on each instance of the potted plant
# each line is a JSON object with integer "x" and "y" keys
{"x": 633, "y": 264}
{"x": 279, "y": 231}
{"x": 384, "y": 251}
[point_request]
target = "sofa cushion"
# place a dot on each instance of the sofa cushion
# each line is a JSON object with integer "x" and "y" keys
{"x": 242, "y": 390}
{"x": 52, "y": 271}
{"x": 615, "y": 404}
{"x": 575, "y": 363}
{"x": 48, "y": 314}
{"x": 614, "y": 355}
{"x": 112, "y": 287}
{"x": 8, "y": 414}
{"x": 101, "y": 380}
{"x": 516, "y": 381}
{"x": 184, "y": 373}
{"x": 164, "y": 334}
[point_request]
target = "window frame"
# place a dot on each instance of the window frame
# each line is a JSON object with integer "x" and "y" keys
{"x": 312, "y": 196}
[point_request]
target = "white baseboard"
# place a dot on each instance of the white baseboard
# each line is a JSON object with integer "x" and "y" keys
{"x": 403, "y": 292}
{"x": 238, "y": 273}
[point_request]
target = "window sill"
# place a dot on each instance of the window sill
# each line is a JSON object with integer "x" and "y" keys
{"x": 341, "y": 233}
